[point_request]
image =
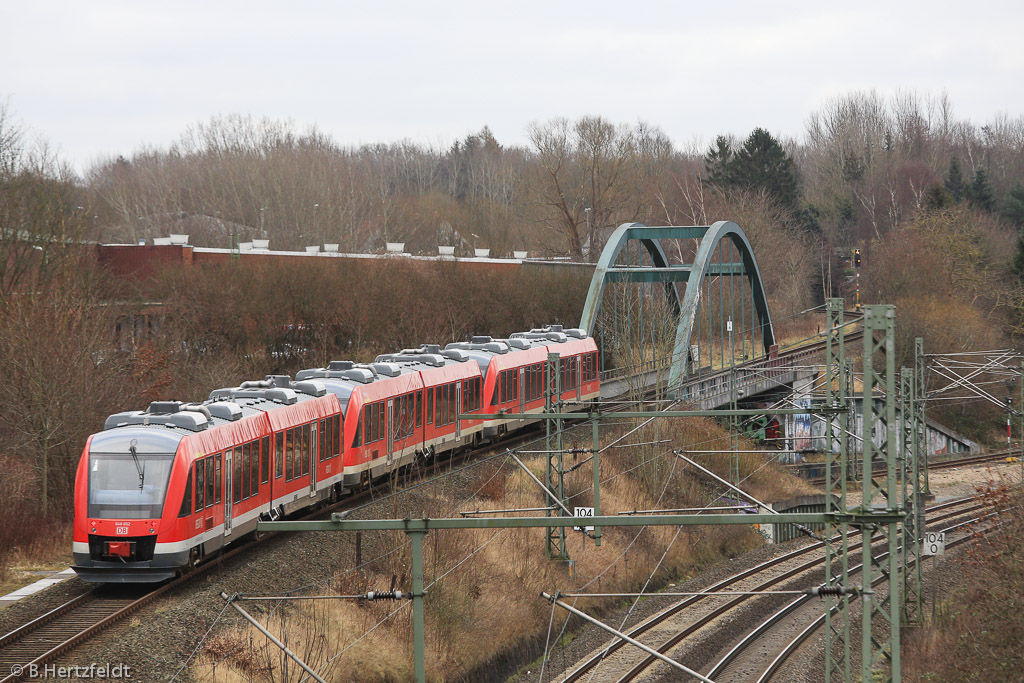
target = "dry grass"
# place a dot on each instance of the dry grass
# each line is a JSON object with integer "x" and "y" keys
{"x": 975, "y": 632}
{"x": 490, "y": 603}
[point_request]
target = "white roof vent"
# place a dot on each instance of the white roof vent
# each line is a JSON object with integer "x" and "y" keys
{"x": 261, "y": 244}
{"x": 387, "y": 369}
{"x": 446, "y": 251}
{"x": 178, "y": 239}
{"x": 482, "y": 253}
{"x": 331, "y": 248}
{"x": 395, "y": 247}
{"x": 520, "y": 254}
{"x": 161, "y": 241}
{"x": 315, "y": 249}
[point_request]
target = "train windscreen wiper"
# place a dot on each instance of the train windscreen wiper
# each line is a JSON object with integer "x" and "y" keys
{"x": 138, "y": 467}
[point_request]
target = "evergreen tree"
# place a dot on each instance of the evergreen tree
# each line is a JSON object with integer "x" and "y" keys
{"x": 955, "y": 181}
{"x": 980, "y": 193}
{"x": 717, "y": 161}
{"x": 762, "y": 163}
{"x": 1013, "y": 205}
{"x": 1017, "y": 261}
{"x": 937, "y": 196}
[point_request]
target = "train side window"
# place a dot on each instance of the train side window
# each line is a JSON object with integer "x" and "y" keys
{"x": 443, "y": 405}
{"x": 329, "y": 437}
{"x": 419, "y": 408}
{"x": 373, "y": 419}
{"x": 210, "y": 480}
{"x": 452, "y": 403}
{"x": 436, "y": 393}
{"x": 200, "y": 466}
{"x": 186, "y": 501}
{"x": 236, "y": 478}
{"x": 265, "y": 460}
{"x": 430, "y": 405}
{"x": 407, "y": 415}
{"x": 246, "y": 469}
{"x": 357, "y": 440}
{"x": 254, "y": 474}
{"x": 307, "y": 449}
{"x": 339, "y": 445}
{"x": 278, "y": 455}
{"x": 286, "y": 455}
{"x": 384, "y": 426}
{"x": 322, "y": 438}
{"x": 219, "y": 485}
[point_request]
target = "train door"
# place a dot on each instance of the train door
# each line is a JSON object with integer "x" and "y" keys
{"x": 522, "y": 390}
{"x": 390, "y": 431}
{"x": 458, "y": 409}
{"x": 313, "y": 444}
{"x": 228, "y": 475}
{"x": 578, "y": 371}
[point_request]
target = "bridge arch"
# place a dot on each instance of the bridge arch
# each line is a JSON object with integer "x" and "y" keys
{"x": 695, "y": 277}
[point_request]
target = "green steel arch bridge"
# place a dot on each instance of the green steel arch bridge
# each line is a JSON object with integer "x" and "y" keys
{"x": 684, "y": 308}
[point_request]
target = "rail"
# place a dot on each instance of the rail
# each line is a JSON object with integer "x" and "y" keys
{"x": 591, "y": 663}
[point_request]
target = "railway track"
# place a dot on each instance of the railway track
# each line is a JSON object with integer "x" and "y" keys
{"x": 731, "y": 666}
{"x": 951, "y": 463}
{"x": 674, "y": 625}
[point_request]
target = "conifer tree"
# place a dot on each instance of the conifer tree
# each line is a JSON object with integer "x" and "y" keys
{"x": 762, "y": 163}
{"x": 717, "y": 161}
{"x": 1013, "y": 205}
{"x": 980, "y": 193}
{"x": 955, "y": 181}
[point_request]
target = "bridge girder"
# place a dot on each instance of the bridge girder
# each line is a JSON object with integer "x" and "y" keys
{"x": 684, "y": 308}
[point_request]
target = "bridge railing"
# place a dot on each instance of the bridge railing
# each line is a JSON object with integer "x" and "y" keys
{"x": 711, "y": 386}
{"x": 718, "y": 386}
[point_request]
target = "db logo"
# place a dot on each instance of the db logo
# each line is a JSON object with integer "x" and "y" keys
{"x": 122, "y": 531}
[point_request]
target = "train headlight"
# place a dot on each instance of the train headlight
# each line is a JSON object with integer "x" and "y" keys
{"x": 93, "y": 530}
{"x": 152, "y": 531}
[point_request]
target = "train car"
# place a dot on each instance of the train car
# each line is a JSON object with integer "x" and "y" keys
{"x": 382, "y": 406}
{"x": 402, "y": 406}
{"x": 514, "y": 379}
{"x": 452, "y": 386}
{"x": 158, "y": 490}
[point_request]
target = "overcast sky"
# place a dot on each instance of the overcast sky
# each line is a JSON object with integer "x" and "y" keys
{"x": 104, "y": 78}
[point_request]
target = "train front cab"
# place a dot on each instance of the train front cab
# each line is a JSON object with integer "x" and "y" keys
{"x": 123, "y": 482}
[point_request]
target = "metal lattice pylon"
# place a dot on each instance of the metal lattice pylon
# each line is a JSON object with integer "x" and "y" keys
{"x": 912, "y": 497}
{"x": 555, "y": 478}
{"x": 880, "y": 619}
{"x": 837, "y": 429}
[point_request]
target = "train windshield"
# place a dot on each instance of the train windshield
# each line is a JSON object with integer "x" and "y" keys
{"x": 128, "y": 485}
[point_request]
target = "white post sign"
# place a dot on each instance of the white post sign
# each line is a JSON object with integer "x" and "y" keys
{"x": 934, "y": 543}
{"x": 583, "y": 512}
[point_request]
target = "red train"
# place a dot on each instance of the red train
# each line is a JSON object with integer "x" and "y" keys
{"x": 160, "y": 489}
